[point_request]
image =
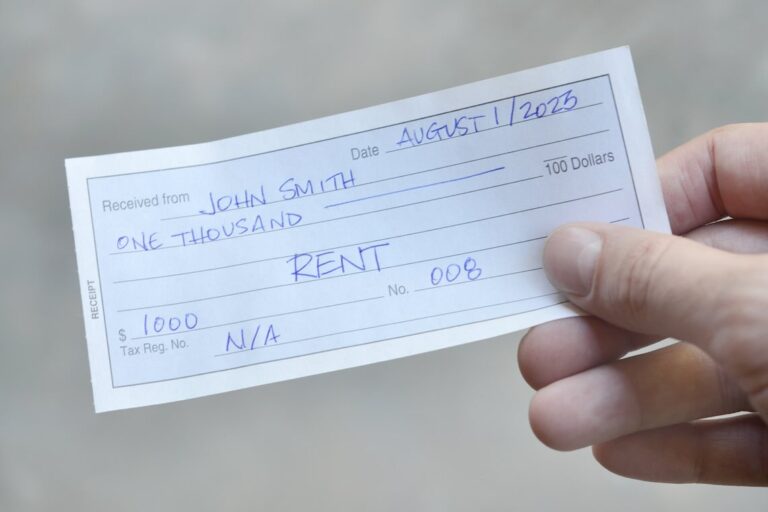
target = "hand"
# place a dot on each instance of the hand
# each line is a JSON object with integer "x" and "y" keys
{"x": 709, "y": 287}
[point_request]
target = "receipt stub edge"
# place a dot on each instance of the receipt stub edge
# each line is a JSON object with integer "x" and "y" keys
{"x": 616, "y": 63}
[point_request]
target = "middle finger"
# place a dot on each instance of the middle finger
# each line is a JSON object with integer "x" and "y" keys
{"x": 671, "y": 385}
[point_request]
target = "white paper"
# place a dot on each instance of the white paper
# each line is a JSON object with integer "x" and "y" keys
{"x": 352, "y": 239}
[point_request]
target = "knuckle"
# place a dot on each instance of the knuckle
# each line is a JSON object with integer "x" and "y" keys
{"x": 738, "y": 339}
{"x": 724, "y": 129}
{"x": 729, "y": 395}
{"x": 637, "y": 276}
{"x": 725, "y": 133}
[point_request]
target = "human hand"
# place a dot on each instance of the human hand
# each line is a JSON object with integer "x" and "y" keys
{"x": 709, "y": 287}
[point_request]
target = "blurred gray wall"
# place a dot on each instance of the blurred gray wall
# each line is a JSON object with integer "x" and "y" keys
{"x": 441, "y": 431}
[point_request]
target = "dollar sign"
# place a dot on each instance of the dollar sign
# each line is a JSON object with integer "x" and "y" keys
{"x": 121, "y": 332}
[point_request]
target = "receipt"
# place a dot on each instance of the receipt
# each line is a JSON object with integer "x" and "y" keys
{"x": 352, "y": 239}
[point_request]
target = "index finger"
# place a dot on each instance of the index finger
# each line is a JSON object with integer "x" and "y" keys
{"x": 721, "y": 173}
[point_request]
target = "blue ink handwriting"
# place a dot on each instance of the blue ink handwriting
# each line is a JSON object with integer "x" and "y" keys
{"x": 252, "y": 339}
{"x": 239, "y": 227}
{"x": 144, "y": 242}
{"x": 315, "y": 266}
{"x": 235, "y": 201}
{"x": 293, "y": 189}
{"x": 453, "y": 271}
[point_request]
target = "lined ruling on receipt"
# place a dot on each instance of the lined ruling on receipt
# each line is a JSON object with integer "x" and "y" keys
{"x": 352, "y": 239}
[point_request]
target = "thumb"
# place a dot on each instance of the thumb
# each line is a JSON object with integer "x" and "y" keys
{"x": 666, "y": 285}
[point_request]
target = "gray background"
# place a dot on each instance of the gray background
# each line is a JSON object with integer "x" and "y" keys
{"x": 441, "y": 431}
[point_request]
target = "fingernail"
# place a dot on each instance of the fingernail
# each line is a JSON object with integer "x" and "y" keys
{"x": 570, "y": 256}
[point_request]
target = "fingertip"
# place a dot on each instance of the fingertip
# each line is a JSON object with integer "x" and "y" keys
{"x": 658, "y": 455}
{"x": 606, "y": 455}
{"x": 524, "y": 360}
{"x": 562, "y": 348}
{"x": 529, "y": 356}
{"x": 551, "y": 422}
{"x": 584, "y": 409}
{"x": 627, "y": 458}
{"x": 537, "y": 417}
{"x": 552, "y": 351}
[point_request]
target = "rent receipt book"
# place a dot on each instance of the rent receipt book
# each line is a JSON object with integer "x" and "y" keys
{"x": 357, "y": 238}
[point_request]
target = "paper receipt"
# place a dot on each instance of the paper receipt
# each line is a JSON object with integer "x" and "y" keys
{"x": 352, "y": 239}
